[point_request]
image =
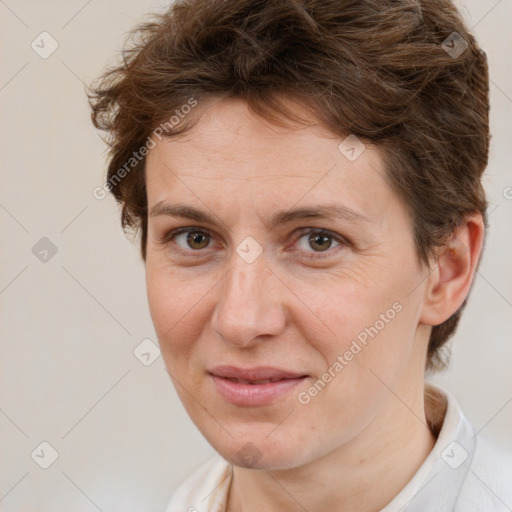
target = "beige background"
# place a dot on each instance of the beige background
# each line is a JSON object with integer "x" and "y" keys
{"x": 69, "y": 326}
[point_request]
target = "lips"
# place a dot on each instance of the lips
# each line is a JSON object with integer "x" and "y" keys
{"x": 256, "y": 375}
{"x": 253, "y": 382}
{"x": 254, "y": 386}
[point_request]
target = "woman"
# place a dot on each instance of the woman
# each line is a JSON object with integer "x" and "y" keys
{"x": 326, "y": 158}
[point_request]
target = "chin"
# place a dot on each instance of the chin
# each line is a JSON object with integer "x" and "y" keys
{"x": 252, "y": 452}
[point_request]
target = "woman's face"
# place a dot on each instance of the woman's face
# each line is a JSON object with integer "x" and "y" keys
{"x": 275, "y": 253}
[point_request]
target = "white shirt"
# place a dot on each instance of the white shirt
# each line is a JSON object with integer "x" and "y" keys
{"x": 462, "y": 473}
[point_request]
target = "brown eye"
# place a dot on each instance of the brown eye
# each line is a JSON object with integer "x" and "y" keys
{"x": 316, "y": 242}
{"x": 320, "y": 242}
{"x": 197, "y": 239}
{"x": 188, "y": 239}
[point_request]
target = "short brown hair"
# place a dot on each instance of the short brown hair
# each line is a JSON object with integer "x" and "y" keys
{"x": 405, "y": 75}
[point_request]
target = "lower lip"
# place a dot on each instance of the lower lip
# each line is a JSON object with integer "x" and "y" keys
{"x": 254, "y": 394}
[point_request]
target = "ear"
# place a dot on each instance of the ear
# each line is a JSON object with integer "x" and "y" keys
{"x": 449, "y": 282}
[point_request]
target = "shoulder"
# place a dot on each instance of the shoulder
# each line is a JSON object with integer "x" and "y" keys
{"x": 203, "y": 490}
{"x": 472, "y": 474}
{"x": 488, "y": 484}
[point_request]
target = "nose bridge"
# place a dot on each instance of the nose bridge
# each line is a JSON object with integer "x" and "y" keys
{"x": 247, "y": 307}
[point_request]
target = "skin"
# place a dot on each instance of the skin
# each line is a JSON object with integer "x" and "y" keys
{"x": 298, "y": 306}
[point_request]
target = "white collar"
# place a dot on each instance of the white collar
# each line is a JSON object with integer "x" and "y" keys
{"x": 437, "y": 483}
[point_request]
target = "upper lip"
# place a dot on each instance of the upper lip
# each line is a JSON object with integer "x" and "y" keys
{"x": 255, "y": 373}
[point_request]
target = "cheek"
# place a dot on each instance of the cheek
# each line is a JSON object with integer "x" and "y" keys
{"x": 175, "y": 306}
{"x": 162, "y": 302}
{"x": 372, "y": 322}
{"x": 343, "y": 308}
{"x": 366, "y": 354}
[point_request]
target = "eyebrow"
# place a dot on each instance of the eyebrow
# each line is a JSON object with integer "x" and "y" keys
{"x": 333, "y": 211}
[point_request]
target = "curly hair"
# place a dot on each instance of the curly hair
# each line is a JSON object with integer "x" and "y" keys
{"x": 406, "y": 75}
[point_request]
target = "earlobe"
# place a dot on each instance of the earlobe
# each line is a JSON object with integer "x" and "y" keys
{"x": 450, "y": 281}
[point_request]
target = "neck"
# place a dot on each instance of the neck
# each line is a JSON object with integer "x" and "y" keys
{"x": 364, "y": 475}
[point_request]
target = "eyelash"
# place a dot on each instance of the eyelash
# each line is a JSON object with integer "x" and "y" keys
{"x": 170, "y": 236}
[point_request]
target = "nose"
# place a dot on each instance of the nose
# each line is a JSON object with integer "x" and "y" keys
{"x": 250, "y": 306}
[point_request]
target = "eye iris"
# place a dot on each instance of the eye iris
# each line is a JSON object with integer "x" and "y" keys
{"x": 317, "y": 239}
{"x": 196, "y": 237}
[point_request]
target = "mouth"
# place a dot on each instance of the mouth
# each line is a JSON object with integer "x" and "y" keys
{"x": 255, "y": 382}
{"x": 254, "y": 386}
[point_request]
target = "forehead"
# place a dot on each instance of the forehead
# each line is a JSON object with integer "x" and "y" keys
{"x": 232, "y": 153}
